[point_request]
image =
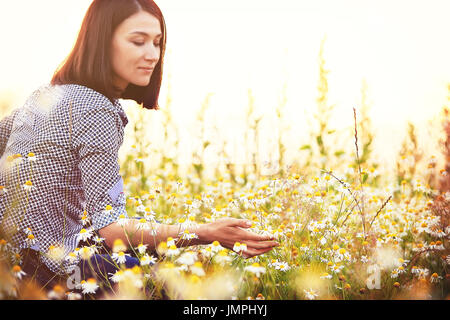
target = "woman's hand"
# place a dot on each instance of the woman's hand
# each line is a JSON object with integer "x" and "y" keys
{"x": 228, "y": 231}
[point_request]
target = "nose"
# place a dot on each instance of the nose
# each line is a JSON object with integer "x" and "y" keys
{"x": 152, "y": 53}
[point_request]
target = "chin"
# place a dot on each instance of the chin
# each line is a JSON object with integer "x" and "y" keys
{"x": 142, "y": 83}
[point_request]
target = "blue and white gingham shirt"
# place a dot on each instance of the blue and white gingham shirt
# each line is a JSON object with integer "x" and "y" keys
{"x": 75, "y": 134}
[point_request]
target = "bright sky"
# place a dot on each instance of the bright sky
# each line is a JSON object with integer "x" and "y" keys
{"x": 400, "y": 48}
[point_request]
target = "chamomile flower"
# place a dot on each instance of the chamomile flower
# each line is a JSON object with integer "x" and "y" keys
{"x": 149, "y": 214}
{"x": 90, "y": 286}
{"x": 172, "y": 251}
{"x": 28, "y": 186}
{"x": 197, "y": 269}
{"x": 435, "y": 278}
{"x": 282, "y": 266}
{"x": 72, "y": 257}
{"x": 310, "y": 294}
{"x": 147, "y": 260}
{"x": 422, "y": 273}
{"x": 256, "y": 269}
{"x": 394, "y": 274}
{"x": 207, "y": 252}
{"x": 86, "y": 252}
{"x": 143, "y": 224}
{"x": 326, "y": 276}
{"x": 3, "y": 190}
{"x": 153, "y": 229}
{"x": 122, "y": 220}
{"x": 30, "y": 240}
{"x": 120, "y": 257}
{"x": 31, "y": 156}
{"x": 222, "y": 257}
{"x": 186, "y": 235}
{"x": 18, "y": 272}
{"x": 117, "y": 277}
{"x": 84, "y": 235}
{"x": 57, "y": 293}
{"x": 55, "y": 253}
{"x": 98, "y": 239}
{"x": 4, "y": 245}
{"x": 85, "y": 220}
{"x": 108, "y": 209}
{"x": 119, "y": 245}
{"x": 141, "y": 248}
{"x": 239, "y": 247}
{"x": 170, "y": 241}
{"x": 188, "y": 258}
{"x": 215, "y": 246}
{"x": 73, "y": 295}
{"x": 336, "y": 268}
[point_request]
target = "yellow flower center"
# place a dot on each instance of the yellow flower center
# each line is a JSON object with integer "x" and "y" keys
{"x": 16, "y": 269}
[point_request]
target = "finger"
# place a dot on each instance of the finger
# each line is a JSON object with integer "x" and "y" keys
{"x": 247, "y": 235}
{"x": 261, "y": 244}
{"x": 243, "y": 223}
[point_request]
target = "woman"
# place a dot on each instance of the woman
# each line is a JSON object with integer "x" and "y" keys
{"x": 59, "y": 152}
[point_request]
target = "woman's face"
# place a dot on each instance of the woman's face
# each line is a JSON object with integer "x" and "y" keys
{"x": 136, "y": 49}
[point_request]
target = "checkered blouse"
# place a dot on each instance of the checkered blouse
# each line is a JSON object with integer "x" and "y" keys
{"x": 75, "y": 134}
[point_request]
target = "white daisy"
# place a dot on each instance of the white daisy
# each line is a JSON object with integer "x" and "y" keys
{"x": 147, "y": 260}
{"x": 256, "y": 269}
{"x": 84, "y": 235}
{"x": 141, "y": 248}
{"x": 310, "y": 294}
{"x": 31, "y": 156}
{"x": 28, "y": 186}
{"x": 197, "y": 269}
{"x": 120, "y": 257}
{"x": 18, "y": 272}
{"x": 90, "y": 286}
{"x": 239, "y": 247}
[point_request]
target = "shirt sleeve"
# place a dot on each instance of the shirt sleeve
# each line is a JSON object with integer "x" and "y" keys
{"x": 5, "y": 131}
{"x": 97, "y": 141}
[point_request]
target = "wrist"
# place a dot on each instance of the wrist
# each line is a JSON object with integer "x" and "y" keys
{"x": 203, "y": 234}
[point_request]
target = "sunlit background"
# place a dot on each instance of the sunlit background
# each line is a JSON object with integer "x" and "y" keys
{"x": 400, "y": 49}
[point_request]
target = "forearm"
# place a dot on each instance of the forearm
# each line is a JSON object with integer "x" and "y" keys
{"x": 132, "y": 236}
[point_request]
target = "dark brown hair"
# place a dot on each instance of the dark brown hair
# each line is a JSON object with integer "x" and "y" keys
{"x": 89, "y": 63}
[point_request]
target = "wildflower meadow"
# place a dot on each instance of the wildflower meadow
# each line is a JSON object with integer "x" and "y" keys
{"x": 348, "y": 229}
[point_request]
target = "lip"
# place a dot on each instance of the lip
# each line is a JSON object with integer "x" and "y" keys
{"x": 146, "y": 69}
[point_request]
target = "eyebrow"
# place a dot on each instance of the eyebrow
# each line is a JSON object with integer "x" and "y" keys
{"x": 145, "y": 34}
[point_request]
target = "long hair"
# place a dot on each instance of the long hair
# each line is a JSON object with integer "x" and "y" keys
{"x": 89, "y": 62}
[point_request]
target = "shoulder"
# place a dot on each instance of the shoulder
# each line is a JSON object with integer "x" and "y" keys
{"x": 85, "y": 97}
{"x": 61, "y": 97}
